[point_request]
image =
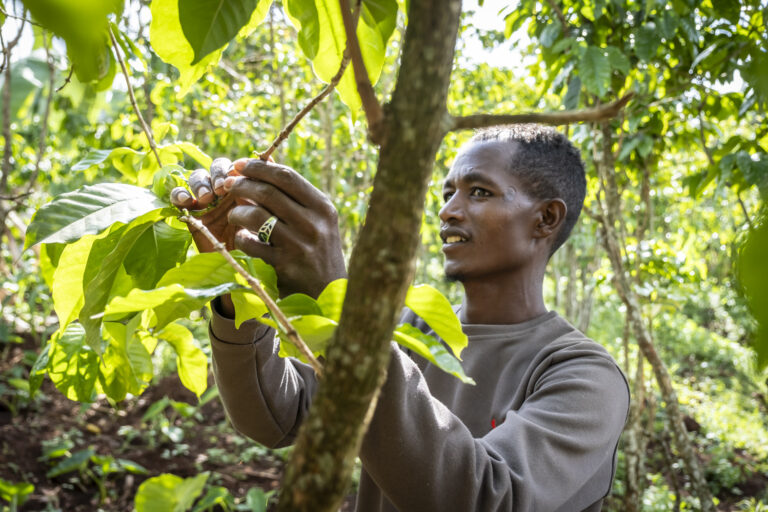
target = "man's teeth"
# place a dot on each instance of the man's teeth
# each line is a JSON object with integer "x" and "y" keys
{"x": 454, "y": 239}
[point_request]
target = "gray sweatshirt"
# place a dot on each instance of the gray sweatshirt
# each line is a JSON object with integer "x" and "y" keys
{"x": 538, "y": 432}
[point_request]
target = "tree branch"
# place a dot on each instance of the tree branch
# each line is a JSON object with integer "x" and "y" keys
{"x": 601, "y": 113}
{"x": 147, "y": 129}
{"x": 68, "y": 79}
{"x": 560, "y": 16}
{"x": 255, "y": 285}
{"x": 317, "y": 99}
{"x": 373, "y": 111}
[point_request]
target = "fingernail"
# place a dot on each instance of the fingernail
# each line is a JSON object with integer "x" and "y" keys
{"x": 218, "y": 184}
{"x": 228, "y": 183}
{"x": 204, "y": 194}
{"x": 183, "y": 197}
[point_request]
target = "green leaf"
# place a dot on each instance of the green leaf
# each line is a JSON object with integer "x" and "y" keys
{"x": 84, "y": 26}
{"x": 210, "y": 24}
{"x": 170, "y": 43}
{"x": 168, "y": 303}
{"x": 77, "y": 462}
{"x": 315, "y": 330}
{"x": 169, "y": 493}
{"x": 191, "y": 362}
{"x": 73, "y": 365}
{"x": 17, "y": 493}
{"x": 127, "y": 364}
{"x": 595, "y": 71}
{"x": 94, "y": 157}
{"x": 432, "y": 307}
{"x": 550, "y": 34}
{"x": 158, "y": 250}
{"x": 299, "y": 304}
{"x": 647, "y": 41}
{"x": 323, "y": 40}
{"x": 571, "y": 100}
{"x": 89, "y": 210}
{"x": 197, "y": 154}
{"x": 37, "y": 372}
{"x": 97, "y": 290}
{"x": 618, "y": 60}
{"x": 331, "y": 299}
{"x": 430, "y": 349}
{"x": 754, "y": 73}
{"x": 67, "y": 286}
{"x": 248, "y": 306}
{"x": 754, "y": 283}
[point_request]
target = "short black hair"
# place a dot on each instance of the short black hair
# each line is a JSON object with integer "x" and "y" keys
{"x": 548, "y": 165}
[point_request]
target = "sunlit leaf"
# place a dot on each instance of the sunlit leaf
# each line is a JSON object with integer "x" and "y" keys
{"x": 331, "y": 299}
{"x": 430, "y": 349}
{"x": 169, "y": 493}
{"x": 191, "y": 362}
{"x": 431, "y": 306}
{"x": 210, "y": 24}
{"x": 754, "y": 282}
{"x": 89, "y": 210}
{"x": 127, "y": 365}
{"x": 73, "y": 366}
{"x": 159, "y": 249}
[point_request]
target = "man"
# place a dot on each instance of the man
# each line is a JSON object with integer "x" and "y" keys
{"x": 540, "y": 429}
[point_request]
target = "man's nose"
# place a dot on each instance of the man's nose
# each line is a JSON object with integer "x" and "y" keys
{"x": 452, "y": 210}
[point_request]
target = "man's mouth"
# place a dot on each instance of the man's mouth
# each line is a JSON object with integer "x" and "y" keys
{"x": 454, "y": 239}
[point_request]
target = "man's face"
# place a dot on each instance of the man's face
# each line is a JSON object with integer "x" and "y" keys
{"x": 488, "y": 220}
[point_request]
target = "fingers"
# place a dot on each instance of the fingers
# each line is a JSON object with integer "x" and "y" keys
{"x": 284, "y": 178}
{"x": 272, "y": 199}
{"x": 200, "y": 183}
{"x": 253, "y": 218}
{"x": 181, "y": 198}
{"x": 252, "y": 246}
{"x": 219, "y": 169}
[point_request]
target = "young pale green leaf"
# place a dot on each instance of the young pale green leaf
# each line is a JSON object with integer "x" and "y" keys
{"x": 331, "y": 299}
{"x": 595, "y": 71}
{"x": 168, "y": 303}
{"x": 97, "y": 290}
{"x": 210, "y": 24}
{"x": 93, "y": 158}
{"x": 158, "y": 250}
{"x": 169, "y": 493}
{"x": 315, "y": 330}
{"x": 304, "y": 16}
{"x": 89, "y": 210}
{"x": 126, "y": 365}
{"x": 432, "y": 307}
{"x": 195, "y": 152}
{"x": 73, "y": 366}
{"x": 430, "y": 349}
{"x": 191, "y": 362}
{"x": 67, "y": 285}
{"x": 248, "y": 306}
{"x": 166, "y": 179}
{"x": 299, "y": 304}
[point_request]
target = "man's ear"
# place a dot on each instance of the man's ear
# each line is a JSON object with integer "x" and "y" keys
{"x": 551, "y": 218}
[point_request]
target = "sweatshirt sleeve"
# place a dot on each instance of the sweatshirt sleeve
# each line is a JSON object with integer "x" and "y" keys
{"x": 549, "y": 455}
{"x": 265, "y": 396}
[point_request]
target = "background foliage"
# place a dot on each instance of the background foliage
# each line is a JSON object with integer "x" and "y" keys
{"x": 690, "y": 166}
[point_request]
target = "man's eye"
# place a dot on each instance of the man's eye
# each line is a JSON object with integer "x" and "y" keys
{"x": 479, "y": 192}
{"x": 447, "y": 196}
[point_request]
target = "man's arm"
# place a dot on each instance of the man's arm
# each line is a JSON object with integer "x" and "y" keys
{"x": 544, "y": 456}
{"x": 265, "y": 396}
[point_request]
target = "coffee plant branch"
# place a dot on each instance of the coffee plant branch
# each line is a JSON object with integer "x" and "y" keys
{"x": 290, "y": 332}
{"x": 144, "y": 126}
{"x": 371, "y": 106}
{"x": 600, "y": 113}
{"x": 285, "y": 132}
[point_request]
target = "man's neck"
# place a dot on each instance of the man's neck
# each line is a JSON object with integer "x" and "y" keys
{"x": 502, "y": 301}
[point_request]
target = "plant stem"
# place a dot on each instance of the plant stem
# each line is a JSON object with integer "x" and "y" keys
{"x": 345, "y": 59}
{"x": 303, "y": 112}
{"x": 554, "y": 118}
{"x": 255, "y": 285}
{"x": 147, "y": 130}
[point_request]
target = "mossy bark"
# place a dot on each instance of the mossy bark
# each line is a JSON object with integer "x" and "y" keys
{"x": 381, "y": 265}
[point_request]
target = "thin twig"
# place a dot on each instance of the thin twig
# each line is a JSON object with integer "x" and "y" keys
{"x": 317, "y": 99}
{"x": 21, "y": 18}
{"x": 147, "y": 129}
{"x": 560, "y": 16}
{"x": 46, "y": 114}
{"x": 345, "y": 59}
{"x": 68, "y": 79}
{"x": 746, "y": 213}
{"x": 601, "y": 113}
{"x": 290, "y": 331}
{"x": 371, "y": 105}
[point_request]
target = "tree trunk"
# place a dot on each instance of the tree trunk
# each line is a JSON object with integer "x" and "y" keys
{"x": 380, "y": 267}
{"x": 622, "y": 282}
